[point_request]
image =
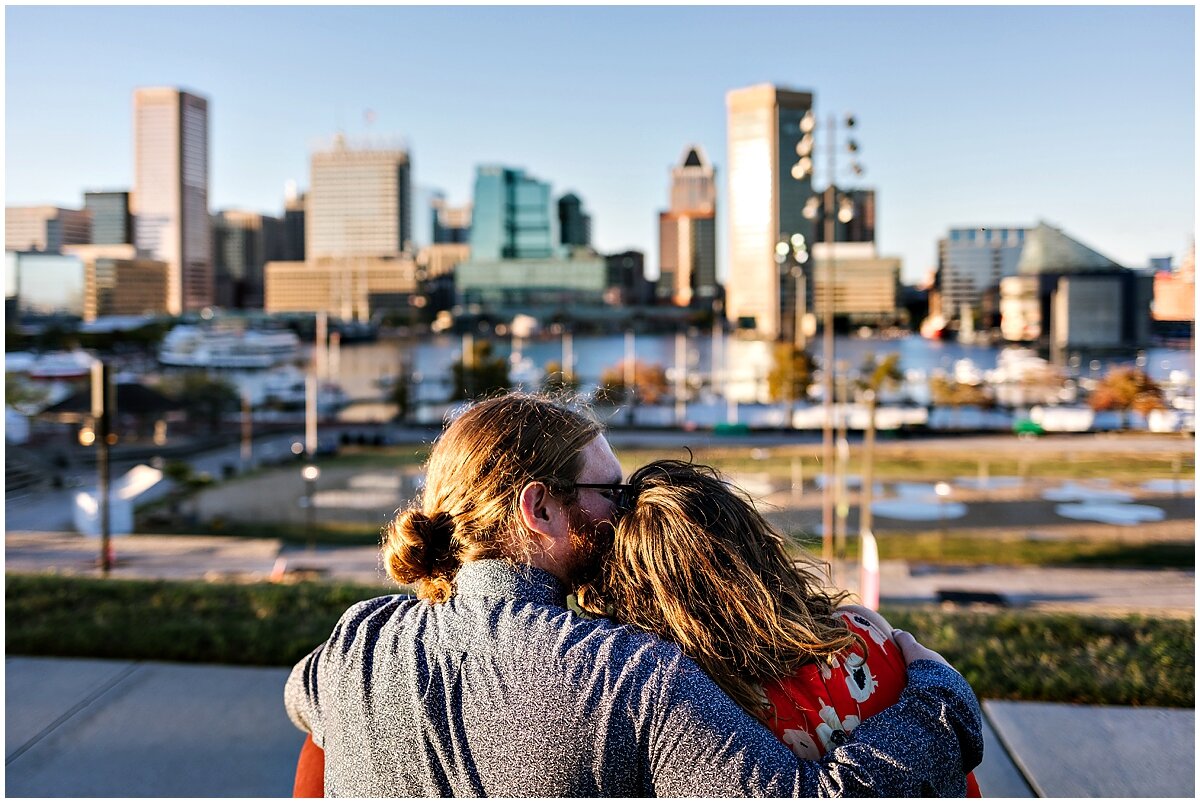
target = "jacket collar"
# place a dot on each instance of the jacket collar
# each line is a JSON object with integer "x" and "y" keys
{"x": 502, "y": 578}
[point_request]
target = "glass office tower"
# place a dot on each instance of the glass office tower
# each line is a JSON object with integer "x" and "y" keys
{"x": 511, "y": 216}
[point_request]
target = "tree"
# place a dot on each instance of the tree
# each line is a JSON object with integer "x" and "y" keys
{"x": 649, "y": 383}
{"x": 791, "y": 374}
{"x": 1125, "y": 388}
{"x": 558, "y": 382}
{"x": 22, "y": 396}
{"x": 945, "y": 392}
{"x": 873, "y": 377}
{"x": 401, "y": 396}
{"x": 484, "y": 374}
{"x": 204, "y": 398}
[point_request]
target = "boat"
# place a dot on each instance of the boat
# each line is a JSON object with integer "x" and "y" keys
{"x": 288, "y": 387}
{"x": 191, "y": 346}
{"x": 59, "y": 365}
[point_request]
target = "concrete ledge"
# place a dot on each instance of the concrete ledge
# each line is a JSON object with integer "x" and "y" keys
{"x": 1099, "y": 751}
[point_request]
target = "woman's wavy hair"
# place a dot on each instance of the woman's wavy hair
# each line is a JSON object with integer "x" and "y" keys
{"x": 695, "y": 563}
{"x": 469, "y": 508}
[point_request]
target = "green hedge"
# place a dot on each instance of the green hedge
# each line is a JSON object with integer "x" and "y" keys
{"x": 1005, "y": 655}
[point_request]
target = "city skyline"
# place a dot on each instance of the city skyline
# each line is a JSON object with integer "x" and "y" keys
{"x": 1080, "y": 116}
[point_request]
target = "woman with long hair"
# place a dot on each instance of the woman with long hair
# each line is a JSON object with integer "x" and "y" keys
{"x": 695, "y": 563}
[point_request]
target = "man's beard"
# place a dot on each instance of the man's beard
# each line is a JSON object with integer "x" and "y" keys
{"x": 591, "y": 543}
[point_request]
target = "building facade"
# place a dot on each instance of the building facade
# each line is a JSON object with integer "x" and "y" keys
{"x": 865, "y": 286}
{"x": 112, "y": 222}
{"x": 451, "y": 224}
{"x": 44, "y": 283}
{"x": 510, "y": 216}
{"x": 1068, "y": 296}
{"x": 347, "y": 288}
{"x": 45, "y": 228}
{"x": 440, "y": 259}
{"x": 574, "y": 225}
{"x": 860, "y": 228}
{"x": 359, "y": 201}
{"x": 293, "y": 226}
{"x": 170, "y": 191}
{"x": 531, "y": 285}
{"x": 118, "y": 282}
{"x": 687, "y": 233}
{"x": 242, "y": 243}
{"x": 971, "y": 262}
{"x": 765, "y": 203}
{"x": 627, "y": 282}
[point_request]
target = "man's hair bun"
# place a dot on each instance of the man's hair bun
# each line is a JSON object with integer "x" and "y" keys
{"x": 420, "y": 549}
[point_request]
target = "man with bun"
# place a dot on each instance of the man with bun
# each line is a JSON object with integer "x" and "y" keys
{"x": 486, "y": 684}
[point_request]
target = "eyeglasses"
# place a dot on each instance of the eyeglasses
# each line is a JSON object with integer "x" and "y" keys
{"x": 620, "y": 494}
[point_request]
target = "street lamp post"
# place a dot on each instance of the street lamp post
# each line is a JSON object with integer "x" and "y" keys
{"x": 825, "y": 204}
{"x": 310, "y": 473}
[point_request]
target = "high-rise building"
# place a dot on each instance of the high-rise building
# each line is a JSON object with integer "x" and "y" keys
{"x": 574, "y": 225}
{"x": 170, "y": 191}
{"x": 44, "y": 228}
{"x": 687, "y": 233}
{"x": 765, "y": 203}
{"x": 510, "y": 216}
{"x": 242, "y": 243}
{"x": 971, "y": 262}
{"x": 359, "y": 201}
{"x": 451, "y": 224}
{"x": 112, "y": 222}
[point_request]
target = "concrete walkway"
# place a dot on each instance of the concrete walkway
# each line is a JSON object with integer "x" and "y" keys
{"x": 89, "y": 728}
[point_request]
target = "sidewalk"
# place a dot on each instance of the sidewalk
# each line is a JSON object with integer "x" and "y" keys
{"x": 90, "y": 728}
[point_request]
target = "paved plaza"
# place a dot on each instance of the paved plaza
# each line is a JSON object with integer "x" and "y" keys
{"x": 91, "y": 728}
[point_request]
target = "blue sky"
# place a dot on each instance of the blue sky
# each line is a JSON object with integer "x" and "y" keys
{"x": 1080, "y": 116}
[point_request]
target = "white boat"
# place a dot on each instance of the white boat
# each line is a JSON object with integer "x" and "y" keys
{"x": 288, "y": 387}
{"x": 203, "y": 347}
{"x": 51, "y": 365}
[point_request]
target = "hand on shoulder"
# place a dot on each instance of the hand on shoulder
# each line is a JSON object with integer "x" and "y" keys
{"x": 871, "y": 616}
{"x": 910, "y": 648}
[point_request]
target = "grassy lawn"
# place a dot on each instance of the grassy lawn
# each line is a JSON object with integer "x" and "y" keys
{"x": 1009, "y": 655}
{"x": 965, "y": 548}
{"x": 324, "y": 534}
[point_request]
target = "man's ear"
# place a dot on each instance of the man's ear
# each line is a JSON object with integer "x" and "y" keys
{"x": 536, "y": 514}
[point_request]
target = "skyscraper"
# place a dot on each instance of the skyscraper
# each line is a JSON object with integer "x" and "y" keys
{"x": 359, "y": 201}
{"x": 687, "y": 241}
{"x": 170, "y": 191}
{"x": 574, "y": 225}
{"x": 511, "y": 216}
{"x": 765, "y": 202}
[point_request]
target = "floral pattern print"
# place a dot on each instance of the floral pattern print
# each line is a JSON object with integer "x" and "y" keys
{"x": 819, "y": 707}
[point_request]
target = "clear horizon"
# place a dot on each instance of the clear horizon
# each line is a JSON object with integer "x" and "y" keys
{"x": 1080, "y": 116}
